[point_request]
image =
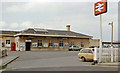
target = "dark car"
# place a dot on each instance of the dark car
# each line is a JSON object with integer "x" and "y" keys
{"x": 74, "y": 48}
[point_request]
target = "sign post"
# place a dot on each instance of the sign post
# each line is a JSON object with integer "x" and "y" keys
{"x": 100, "y": 8}
{"x": 100, "y": 50}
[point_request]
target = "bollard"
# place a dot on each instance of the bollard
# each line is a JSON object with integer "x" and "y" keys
{"x": 111, "y": 54}
{"x": 95, "y": 55}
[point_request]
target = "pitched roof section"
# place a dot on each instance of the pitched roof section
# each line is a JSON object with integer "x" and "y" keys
{"x": 62, "y": 32}
{"x": 37, "y": 31}
{"x": 53, "y": 32}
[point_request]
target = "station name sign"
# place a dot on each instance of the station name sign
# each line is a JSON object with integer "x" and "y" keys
{"x": 100, "y": 7}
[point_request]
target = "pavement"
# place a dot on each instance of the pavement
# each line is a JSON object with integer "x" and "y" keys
{"x": 110, "y": 64}
{"x": 8, "y": 59}
{"x": 53, "y": 61}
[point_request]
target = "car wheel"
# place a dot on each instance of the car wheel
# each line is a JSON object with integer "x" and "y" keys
{"x": 83, "y": 59}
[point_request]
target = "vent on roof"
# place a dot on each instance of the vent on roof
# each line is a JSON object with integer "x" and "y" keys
{"x": 39, "y": 29}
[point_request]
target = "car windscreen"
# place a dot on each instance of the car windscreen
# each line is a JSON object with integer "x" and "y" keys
{"x": 86, "y": 51}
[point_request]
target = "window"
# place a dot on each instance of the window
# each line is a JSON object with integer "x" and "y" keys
{"x": 39, "y": 43}
{"x": 34, "y": 44}
{"x": 2, "y": 44}
{"x": 50, "y": 43}
{"x": 66, "y": 44}
{"x": 8, "y": 43}
{"x": 61, "y": 43}
{"x": 82, "y": 44}
{"x": 22, "y": 44}
{"x": 72, "y": 43}
{"x": 45, "y": 44}
{"x": 89, "y": 51}
{"x": 84, "y": 51}
{"x": 55, "y": 44}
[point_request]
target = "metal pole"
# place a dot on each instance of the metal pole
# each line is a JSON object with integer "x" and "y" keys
{"x": 112, "y": 43}
{"x": 112, "y": 35}
{"x": 100, "y": 50}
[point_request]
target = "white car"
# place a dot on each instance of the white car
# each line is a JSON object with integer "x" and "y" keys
{"x": 74, "y": 48}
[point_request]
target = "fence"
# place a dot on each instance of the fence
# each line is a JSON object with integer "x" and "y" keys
{"x": 109, "y": 55}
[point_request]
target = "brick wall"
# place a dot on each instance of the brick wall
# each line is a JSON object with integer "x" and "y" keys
{"x": 12, "y": 39}
{"x": 18, "y": 40}
{"x": 77, "y": 42}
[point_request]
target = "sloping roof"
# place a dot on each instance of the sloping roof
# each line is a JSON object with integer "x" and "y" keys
{"x": 52, "y": 32}
{"x": 8, "y": 32}
{"x": 37, "y": 31}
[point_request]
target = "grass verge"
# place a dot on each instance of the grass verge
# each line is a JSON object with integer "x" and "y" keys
{"x": 3, "y": 67}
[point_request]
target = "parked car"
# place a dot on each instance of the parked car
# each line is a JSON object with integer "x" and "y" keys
{"x": 74, "y": 48}
{"x": 86, "y": 54}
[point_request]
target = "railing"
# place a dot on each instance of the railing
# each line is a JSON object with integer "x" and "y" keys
{"x": 109, "y": 55}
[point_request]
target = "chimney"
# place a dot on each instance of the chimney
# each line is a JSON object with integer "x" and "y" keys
{"x": 68, "y": 27}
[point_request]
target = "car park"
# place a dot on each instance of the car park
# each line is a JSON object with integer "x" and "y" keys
{"x": 74, "y": 48}
{"x": 86, "y": 54}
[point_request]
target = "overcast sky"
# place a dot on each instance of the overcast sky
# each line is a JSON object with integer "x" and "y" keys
{"x": 56, "y": 15}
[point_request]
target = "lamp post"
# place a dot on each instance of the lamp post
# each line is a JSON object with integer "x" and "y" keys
{"x": 111, "y": 42}
{"x": 111, "y": 34}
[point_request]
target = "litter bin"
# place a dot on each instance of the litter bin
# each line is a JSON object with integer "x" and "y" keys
{"x": 4, "y": 53}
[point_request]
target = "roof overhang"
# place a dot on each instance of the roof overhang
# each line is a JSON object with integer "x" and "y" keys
{"x": 26, "y": 34}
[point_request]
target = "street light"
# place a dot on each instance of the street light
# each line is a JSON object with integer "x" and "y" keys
{"x": 111, "y": 33}
{"x": 111, "y": 42}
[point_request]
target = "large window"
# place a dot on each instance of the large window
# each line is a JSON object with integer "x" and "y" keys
{"x": 39, "y": 43}
{"x": 61, "y": 43}
{"x": 82, "y": 44}
{"x": 50, "y": 43}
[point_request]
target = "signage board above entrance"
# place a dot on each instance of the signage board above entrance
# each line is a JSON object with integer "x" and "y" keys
{"x": 28, "y": 40}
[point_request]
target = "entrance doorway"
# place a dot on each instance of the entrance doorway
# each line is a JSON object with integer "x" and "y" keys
{"x": 28, "y": 46}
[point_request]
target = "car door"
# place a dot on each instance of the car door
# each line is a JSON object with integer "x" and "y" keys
{"x": 83, "y": 53}
{"x": 90, "y": 54}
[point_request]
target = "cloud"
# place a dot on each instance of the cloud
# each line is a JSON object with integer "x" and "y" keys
{"x": 57, "y": 15}
{"x": 22, "y": 26}
{"x": 15, "y": 25}
{"x": 46, "y": 7}
{"x": 3, "y": 24}
{"x": 29, "y": 7}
